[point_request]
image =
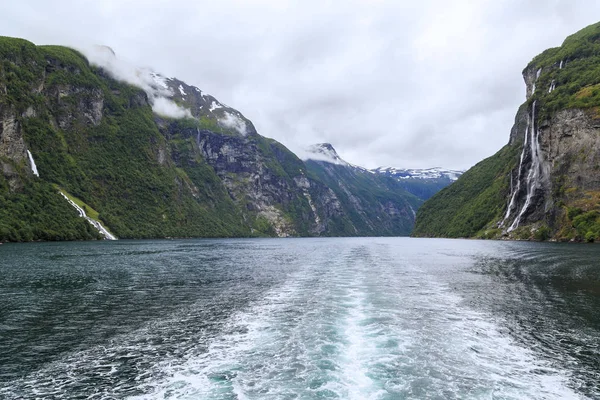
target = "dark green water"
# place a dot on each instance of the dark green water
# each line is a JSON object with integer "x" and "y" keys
{"x": 300, "y": 319}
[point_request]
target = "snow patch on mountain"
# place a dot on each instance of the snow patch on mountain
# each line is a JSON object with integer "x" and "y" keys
{"x": 156, "y": 81}
{"x": 419, "y": 173}
{"x": 215, "y": 105}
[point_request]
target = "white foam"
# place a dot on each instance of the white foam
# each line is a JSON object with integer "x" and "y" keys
{"x": 220, "y": 368}
{"x": 358, "y": 349}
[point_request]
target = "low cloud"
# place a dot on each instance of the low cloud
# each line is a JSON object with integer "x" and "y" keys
{"x": 232, "y": 121}
{"x": 167, "y": 108}
{"x": 387, "y": 82}
{"x": 152, "y": 83}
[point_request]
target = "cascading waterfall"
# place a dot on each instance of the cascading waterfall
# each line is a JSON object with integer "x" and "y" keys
{"x": 537, "y": 76}
{"x": 535, "y": 170}
{"x": 514, "y": 192}
{"x": 561, "y": 65}
{"x": 535, "y": 173}
{"x": 103, "y": 231}
{"x": 33, "y": 166}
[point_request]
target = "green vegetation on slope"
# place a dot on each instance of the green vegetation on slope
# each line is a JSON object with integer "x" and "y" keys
{"x": 30, "y": 208}
{"x": 112, "y": 164}
{"x": 469, "y": 205}
{"x": 90, "y": 212}
{"x": 578, "y": 82}
{"x": 424, "y": 188}
{"x": 581, "y": 219}
{"x": 38, "y": 212}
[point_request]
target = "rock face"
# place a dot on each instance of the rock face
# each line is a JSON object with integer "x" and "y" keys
{"x": 159, "y": 158}
{"x": 570, "y": 142}
{"x": 546, "y": 182}
{"x": 375, "y": 204}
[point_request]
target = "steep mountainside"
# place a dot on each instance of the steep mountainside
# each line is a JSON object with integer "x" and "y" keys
{"x": 95, "y": 138}
{"x": 546, "y": 182}
{"x": 378, "y": 204}
{"x": 147, "y": 156}
{"x": 423, "y": 183}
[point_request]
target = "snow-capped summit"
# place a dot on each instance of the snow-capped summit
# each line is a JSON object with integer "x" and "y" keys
{"x": 324, "y": 152}
{"x": 416, "y": 173}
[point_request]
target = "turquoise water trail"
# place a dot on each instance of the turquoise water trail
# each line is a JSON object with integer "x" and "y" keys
{"x": 363, "y": 318}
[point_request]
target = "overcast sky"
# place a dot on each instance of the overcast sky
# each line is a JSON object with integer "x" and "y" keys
{"x": 388, "y": 82}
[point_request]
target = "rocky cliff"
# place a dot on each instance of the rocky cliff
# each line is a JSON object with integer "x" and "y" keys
{"x": 376, "y": 204}
{"x": 147, "y": 156}
{"x": 546, "y": 182}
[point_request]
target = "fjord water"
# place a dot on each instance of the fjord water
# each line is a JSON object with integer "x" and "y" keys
{"x": 377, "y": 318}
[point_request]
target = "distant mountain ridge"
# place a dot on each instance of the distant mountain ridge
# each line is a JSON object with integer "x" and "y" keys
{"x": 419, "y": 173}
{"x": 422, "y": 183}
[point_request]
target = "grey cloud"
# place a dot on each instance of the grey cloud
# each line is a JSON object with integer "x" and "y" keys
{"x": 387, "y": 82}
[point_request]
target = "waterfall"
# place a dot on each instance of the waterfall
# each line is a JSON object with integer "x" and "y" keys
{"x": 513, "y": 194}
{"x": 534, "y": 174}
{"x": 552, "y": 86}
{"x": 33, "y": 166}
{"x": 561, "y": 65}
{"x": 96, "y": 224}
{"x": 537, "y": 76}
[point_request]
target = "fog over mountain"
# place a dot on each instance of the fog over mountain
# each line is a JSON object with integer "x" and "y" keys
{"x": 406, "y": 84}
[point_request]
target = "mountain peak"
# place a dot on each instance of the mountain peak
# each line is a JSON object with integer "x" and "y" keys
{"x": 324, "y": 152}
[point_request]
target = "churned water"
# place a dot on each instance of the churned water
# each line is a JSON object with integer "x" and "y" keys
{"x": 361, "y": 318}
